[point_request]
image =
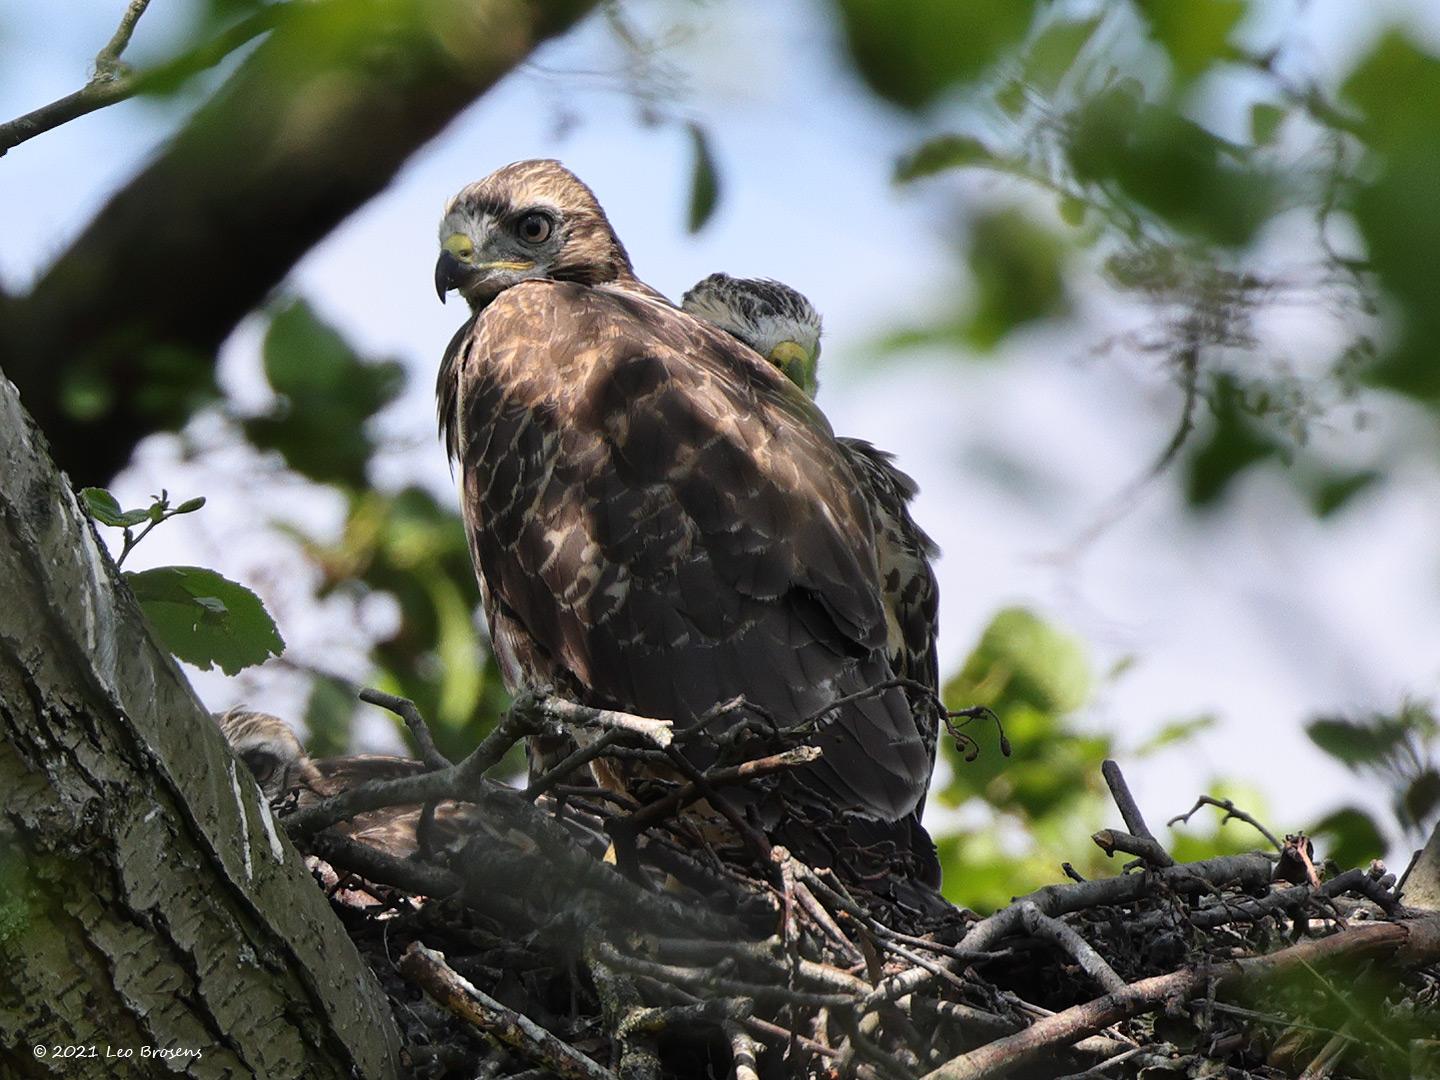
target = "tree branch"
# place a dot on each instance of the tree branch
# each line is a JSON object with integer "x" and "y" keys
{"x": 1409, "y": 944}
{"x": 113, "y": 82}
{"x": 260, "y": 174}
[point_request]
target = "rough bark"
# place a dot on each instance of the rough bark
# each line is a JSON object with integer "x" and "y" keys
{"x": 148, "y": 901}
{"x": 118, "y": 337}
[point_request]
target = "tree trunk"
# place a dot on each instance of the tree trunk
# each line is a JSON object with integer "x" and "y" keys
{"x": 148, "y": 902}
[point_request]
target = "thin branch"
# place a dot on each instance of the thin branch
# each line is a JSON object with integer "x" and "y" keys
{"x": 419, "y": 730}
{"x": 1410, "y": 944}
{"x": 1146, "y": 847}
{"x": 113, "y": 82}
{"x": 1063, "y": 937}
{"x": 107, "y": 60}
{"x": 1124, "y": 800}
{"x": 428, "y": 970}
{"x": 1231, "y": 811}
{"x": 416, "y": 878}
{"x": 746, "y": 771}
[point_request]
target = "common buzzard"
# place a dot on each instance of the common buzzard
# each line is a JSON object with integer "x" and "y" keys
{"x": 659, "y": 519}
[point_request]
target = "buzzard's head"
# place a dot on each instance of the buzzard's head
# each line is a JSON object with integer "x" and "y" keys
{"x": 531, "y": 219}
{"x": 269, "y": 748}
{"x": 773, "y": 319}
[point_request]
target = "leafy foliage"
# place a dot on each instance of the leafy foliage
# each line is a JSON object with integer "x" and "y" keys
{"x": 913, "y": 51}
{"x": 704, "y": 180}
{"x": 206, "y": 619}
{"x": 1034, "y": 678}
{"x": 327, "y": 394}
{"x": 410, "y": 548}
{"x": 200, "y": 616}
{"x": 1018, "y": 266}
{"x": 1349, "y": 836}
{"x": 405, "y": 546}
{"x": 1396, "y": 204}
{"x": 1399, "y": 752}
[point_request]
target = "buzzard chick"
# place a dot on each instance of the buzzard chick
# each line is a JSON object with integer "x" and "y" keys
{"x": 783, "y": 326}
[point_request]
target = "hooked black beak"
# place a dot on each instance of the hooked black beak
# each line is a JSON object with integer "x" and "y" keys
{"x": 450, "y": 273}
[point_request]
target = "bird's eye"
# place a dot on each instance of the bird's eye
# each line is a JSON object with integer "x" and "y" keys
{"x": 533, "y": 228}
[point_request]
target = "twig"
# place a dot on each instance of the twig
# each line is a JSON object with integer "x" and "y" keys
{"x": 113, "y": 83}
{"x": 1328, "y": 1058}
{"x": 583, "y": 756}
{"x": 107, "y": 60}
{"x": 1124, "y": 800}
{"x": 1146, "y": 847}
{"x": 558, "y": 710}
{"x": 374, "y": 865}
{"x": 717, "y": 978}
{"x": 1412, "y": 943}
{"x": 419, "y": 730}
{"x": 1231, "y": 811}
{"x": 742, "y": 1053}
{"x": 1062, "y": 936}
{"x": 746, "y": 771}
{"x": 1247, "y": 871}
{"x": 428, "y": 970}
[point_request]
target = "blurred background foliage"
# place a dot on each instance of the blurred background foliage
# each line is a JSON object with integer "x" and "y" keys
{"x": 1096, "y": 112}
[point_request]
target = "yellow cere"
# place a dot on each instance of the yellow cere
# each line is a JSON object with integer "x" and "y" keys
{"x": 797, "y": 364}
{"x": 459, "y": 245}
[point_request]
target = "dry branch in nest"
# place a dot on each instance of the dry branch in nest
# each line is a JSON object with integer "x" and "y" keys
{"x": 568, "y": 931}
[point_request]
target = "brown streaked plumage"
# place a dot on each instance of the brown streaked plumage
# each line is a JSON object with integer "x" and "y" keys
{"x": 782, "y": 325}
{"x": 659, "y": 519}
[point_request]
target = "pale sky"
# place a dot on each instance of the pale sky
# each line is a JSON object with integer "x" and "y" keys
{"x": 1259, "y": 614}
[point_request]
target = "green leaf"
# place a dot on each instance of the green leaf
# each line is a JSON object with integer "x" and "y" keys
{"x": 1357, "y": 744}
{"x": 1018, "y": 266}
{"x": 104, "y": 509}
{"x": 328, "y": 394}
{"x": 1196, "y": 33}
{"x": 1011, "y": 98}
{"x": 328, "y": 713}
{"x": 1175, "y": 733}
{"x": 1398, "y": 209}
{"x": 1350, "y": 836}
{"x": 101, "y": 505}
{"x": 941, "y": 154}
{"x": 704, "y": 181}
{"x": 205, "y": 619}
{"x": 1420, "y": 797}
{"x": 1233, "y": 444}
{"x": 189, "y": 506}
{"x": 1195, "y": 180}
{"x": 1265, "y": 120}
{"x": 1333, "y": 491}
{"x": 1054, "y": 50}
{"x": 1022, "y": 658}
{"x": 913, "y": 51}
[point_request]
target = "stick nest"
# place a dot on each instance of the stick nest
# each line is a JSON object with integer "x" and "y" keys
{"x": 566, "y": 931}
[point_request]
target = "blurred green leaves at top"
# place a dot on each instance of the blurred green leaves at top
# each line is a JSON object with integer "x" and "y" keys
{"x": 913, "y": 52}
{"x": 324, "y": 398}
{"x": 1108, "y": 117}
{"x": 1396, "y": 203}
{"x": 403, "y": 545}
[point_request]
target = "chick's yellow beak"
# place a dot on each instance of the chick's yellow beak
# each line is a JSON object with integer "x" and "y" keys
{"x": 795, "y": 363}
